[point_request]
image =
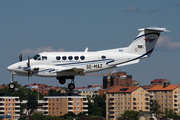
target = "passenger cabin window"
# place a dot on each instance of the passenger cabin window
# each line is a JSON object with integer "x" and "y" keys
{"x": 44, "y": 57}
{"x": 64, "y": 57}
{"x": 37, "y": 57}
{"x": 103, "y": 57}
{"x": 70, "y": 57}
{"x": 58, "y": 58}
{"x": 76, "y": 57}
{"x": 82, "y": 57}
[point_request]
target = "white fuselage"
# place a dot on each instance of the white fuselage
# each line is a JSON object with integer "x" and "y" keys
{"x": 54, "y": 64}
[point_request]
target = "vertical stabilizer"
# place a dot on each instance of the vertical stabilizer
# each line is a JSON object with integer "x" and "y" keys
{"x": 144, "y": 43}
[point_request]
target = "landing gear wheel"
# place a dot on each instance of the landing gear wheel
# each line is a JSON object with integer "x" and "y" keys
{"x": 11, "y": 85}
{"x": 71, "y": 86}
{"x": 62, "y": 81}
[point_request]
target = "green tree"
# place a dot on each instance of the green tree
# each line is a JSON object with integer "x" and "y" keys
{"x": 98, "y": 107}
{"x": 169, "y": 113}
{"x": 130, "y": 114}
{"x": 32, "y": 103}
{"x": 155, "y": 108}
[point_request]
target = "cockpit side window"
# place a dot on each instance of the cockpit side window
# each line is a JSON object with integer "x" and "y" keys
{"x": 36, "y": 57}
{"x": 44, "y": 57}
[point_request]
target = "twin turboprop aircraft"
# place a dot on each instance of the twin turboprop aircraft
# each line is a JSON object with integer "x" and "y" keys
{"x": 66, "y": 65}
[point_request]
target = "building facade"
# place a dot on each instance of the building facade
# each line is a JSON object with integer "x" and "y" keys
{"x": 168, "y": 96}
{"x": 10, "y": 105}
{"x": 60, "y": 105}
{"x": 120, "y": 99}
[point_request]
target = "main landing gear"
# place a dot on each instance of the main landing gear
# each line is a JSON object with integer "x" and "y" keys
{"x": 12, "y": 85}
{"x": 62, "y": 80}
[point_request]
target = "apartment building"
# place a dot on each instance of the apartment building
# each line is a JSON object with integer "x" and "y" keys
{"x": 10, "y": 105}
{"x": 168, "y": 96}
{"x": 92, "y": 92}
{"x": 60, "y": 105}
{"x": 119, "y": 99}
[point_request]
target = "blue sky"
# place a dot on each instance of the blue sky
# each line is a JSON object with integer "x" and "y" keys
{"x": 29, "y": 27}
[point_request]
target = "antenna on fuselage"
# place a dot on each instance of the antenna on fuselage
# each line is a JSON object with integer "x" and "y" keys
{"x": 86, "y": 50}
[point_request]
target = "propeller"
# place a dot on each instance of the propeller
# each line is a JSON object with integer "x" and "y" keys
{"x": 28, "y": 68}
{"x": 28, "y": 65}
{"x": 20, "y": 57}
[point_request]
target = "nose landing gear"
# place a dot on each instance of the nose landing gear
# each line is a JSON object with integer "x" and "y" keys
{"x": 12, "y": 85}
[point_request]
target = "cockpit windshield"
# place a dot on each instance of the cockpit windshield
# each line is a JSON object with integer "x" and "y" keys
{"x": 36, "y": 57}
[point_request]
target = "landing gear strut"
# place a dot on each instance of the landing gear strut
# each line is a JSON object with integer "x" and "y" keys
{"x": 62, "y": 80}
{"x": 12, "y": 85}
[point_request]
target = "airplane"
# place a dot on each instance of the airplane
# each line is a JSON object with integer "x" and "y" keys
{"x": 67, "y": 65}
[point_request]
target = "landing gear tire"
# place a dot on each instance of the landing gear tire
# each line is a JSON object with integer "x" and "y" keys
{"x": 71, "y": 86}
{"x": 62, "y": 81}
{"x": 11, "y": 85}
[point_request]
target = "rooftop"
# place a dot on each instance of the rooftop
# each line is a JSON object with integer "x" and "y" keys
{"x": 161, "y": 87}
{"x": 116, "y": 89}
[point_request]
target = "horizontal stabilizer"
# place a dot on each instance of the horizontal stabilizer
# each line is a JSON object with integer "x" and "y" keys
{"x": 154, "y": 29}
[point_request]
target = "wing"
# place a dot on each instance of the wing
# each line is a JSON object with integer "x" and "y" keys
{"x": 73, "y": 71}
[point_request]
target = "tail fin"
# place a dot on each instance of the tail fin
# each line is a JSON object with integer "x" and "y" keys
{"x": 144, "y": 43}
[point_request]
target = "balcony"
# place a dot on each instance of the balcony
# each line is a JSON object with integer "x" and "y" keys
{"x": 111, "y": 108}
{"x": 85, "y": 110}
{"x": 17, "y": 106}
{"x": 17, "y": 101}
{"x": 70, "y": 110}
{"x": 147, "y": 99}
{"x": 175, "y": 106}
{"x": 1, "y": 106}
{"x": 70, "y": 105}
{"x": 85, "y": 101}
{"x": 147, "y": 103}
{"x": 45, "y": 105}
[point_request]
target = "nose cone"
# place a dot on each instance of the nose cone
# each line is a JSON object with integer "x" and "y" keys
{"x": 10, "y": 68}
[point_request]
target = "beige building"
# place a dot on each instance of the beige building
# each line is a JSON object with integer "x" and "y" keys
{"x": 10, "y": 105}
{"x": 92, "y": 92}
{"x": 60, "y": 105}
{"x": 120, "y": 99}
{"x": 168, "y": 96}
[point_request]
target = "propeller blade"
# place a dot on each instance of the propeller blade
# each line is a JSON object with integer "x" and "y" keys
{"x": 20, "y": 57}
{"x": 28, "y": 63}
